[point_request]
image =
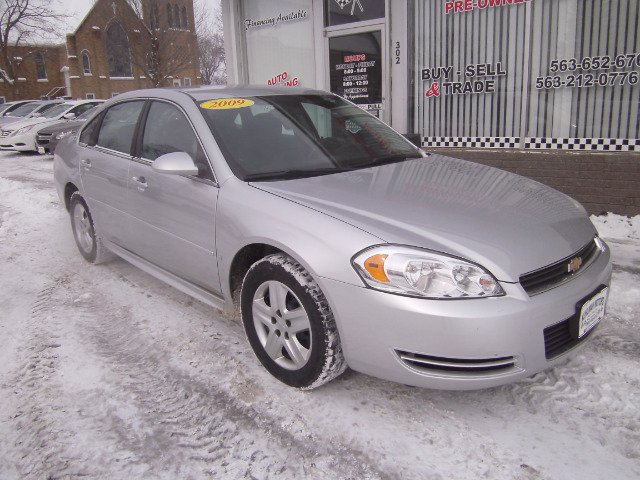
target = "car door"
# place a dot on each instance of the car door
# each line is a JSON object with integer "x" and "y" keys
{"x": 173, "y": 216}
{"x": 105, "y": 154}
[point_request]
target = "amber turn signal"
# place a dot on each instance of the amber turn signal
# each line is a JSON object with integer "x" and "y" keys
{"x": 375, "y": 266}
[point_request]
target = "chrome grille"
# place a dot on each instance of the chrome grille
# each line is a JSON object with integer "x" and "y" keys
{"x": 560, "y": 272}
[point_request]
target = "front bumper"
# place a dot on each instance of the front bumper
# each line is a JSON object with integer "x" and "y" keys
{"x": 456, "y": 344}
{"x": 20, "y": 143}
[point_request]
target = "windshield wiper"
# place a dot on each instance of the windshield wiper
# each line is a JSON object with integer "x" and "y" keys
{"x": 296, "y": 173}
{"x": 383, "y": 160}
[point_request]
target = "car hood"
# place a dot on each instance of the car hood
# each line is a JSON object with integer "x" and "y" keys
{"x": 25, "y": 123}
{"x": 61, "y": 126}
{"x": 507, "y": 223}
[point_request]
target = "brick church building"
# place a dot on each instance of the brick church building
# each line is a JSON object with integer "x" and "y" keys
{"x": 113, "y": 50}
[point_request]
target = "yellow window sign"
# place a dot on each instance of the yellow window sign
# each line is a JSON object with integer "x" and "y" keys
{"x": 224, "y": 103}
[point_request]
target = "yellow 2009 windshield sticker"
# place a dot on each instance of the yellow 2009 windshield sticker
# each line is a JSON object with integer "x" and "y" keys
{"x": 224, "y": 103}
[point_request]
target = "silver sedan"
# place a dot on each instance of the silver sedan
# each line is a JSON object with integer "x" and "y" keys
{"x": 336, "y": 240}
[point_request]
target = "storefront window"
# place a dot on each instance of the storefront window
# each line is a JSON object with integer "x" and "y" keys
{"x": 470, "y": 69}
{"x": 279, "y": 43}
{"x": 339, "y": 12}
{"x": 585, "y": 67}
{"x": 535, "y": 74}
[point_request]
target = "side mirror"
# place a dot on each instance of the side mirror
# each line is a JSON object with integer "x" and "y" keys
{"x": 69, "y": 116}
{"x": 175, "y": 163}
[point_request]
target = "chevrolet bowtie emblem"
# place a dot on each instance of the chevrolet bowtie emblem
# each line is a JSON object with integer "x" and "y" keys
{"x": 574, "y": 264}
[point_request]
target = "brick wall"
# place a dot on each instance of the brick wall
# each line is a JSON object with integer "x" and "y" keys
{"x": 90, "y": 38}
{"x": 29, "y": 86}
{"x": 602, "y": 182}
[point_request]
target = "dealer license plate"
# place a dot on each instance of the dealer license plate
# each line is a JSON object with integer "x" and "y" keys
{"x": 592, "y": 312}
{"x": 41, "y": 150}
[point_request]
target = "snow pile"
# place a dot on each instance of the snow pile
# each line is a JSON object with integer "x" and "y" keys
{"x": 619, "y": 227}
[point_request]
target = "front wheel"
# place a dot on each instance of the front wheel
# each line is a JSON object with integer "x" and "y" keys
{"x": 289, "y": 323}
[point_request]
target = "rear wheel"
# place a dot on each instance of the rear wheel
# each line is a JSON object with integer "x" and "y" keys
{"x": 289, "y": 323}
{"x": 88, "y": 241}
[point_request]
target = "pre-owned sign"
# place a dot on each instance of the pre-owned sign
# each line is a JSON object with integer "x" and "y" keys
{"x": 461, "y": 6}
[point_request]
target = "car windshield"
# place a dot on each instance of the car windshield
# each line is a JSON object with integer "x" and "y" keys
{"x": 279, "y": 137}
{"x": 57, "y": 110}
{"x": 38, "y": 112}
{"x": 24, "y": 110}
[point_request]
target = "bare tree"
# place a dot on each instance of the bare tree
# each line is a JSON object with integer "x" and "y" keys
{"x": 20, "y": 22}
{"x": 212, "y": 57}
{"x": 210, "y": 45}
{"x": 164, "y": 45}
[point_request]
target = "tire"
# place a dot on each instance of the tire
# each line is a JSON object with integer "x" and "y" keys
{"x": 84, "y": 232}
{"x": 289, "y": 324}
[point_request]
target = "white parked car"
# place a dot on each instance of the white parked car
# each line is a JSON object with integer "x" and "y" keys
{"x": 21, "y": 135}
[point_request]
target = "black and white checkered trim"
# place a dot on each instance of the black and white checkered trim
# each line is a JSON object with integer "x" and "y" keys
{"x": 592, "y": 144}
{"x": 598, "y": 144}
{"x": 481, "y": 142}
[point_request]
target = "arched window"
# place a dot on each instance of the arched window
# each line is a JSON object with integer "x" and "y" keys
{"x": 41, "y": 71}
{"x": 118, "y": 53}
{"x": 185, "y": 21}
{"x": 86, "y": 63}
{"x": 154, "y": 17}
{"x": 176, "y": 16}
{"x": 169, "y": 15}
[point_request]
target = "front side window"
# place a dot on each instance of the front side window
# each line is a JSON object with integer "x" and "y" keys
{"x": 86, "y": 64}
{"x": 119, "y": 125}
{"x": 57, "y": 110}
{"x": 291, "y": 136}
{"x": 80, "y": 109}
{"x": 168, "y": 130}
{"x": 118, "y": 53}
{"x": 41, "y": 71}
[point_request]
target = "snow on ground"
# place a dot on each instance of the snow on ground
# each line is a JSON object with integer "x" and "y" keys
{"x": 108, "y": 373}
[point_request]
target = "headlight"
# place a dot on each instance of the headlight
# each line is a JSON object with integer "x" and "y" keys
{"x": 61, "y": 135}
{"x": 423, "y": 273}
{"x": 23, "y": 130}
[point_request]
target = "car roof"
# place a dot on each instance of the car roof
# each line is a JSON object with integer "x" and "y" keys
{"x": 211, "y": 93}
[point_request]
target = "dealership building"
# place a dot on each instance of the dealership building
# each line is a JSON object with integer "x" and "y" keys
{"x": 538, "y": 75}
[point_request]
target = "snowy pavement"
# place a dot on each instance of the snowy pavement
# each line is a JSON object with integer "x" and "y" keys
{"x": 107, "y": 373}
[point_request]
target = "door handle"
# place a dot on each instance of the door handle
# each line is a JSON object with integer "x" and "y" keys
{"x": 85, "y": 163}
{"x": 141, "y": 183}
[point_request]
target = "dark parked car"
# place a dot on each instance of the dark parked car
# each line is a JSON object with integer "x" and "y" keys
{"x": 48, "y": 137}
{"x": 337, "y": 240}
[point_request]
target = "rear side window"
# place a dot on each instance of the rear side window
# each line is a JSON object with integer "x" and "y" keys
{"x": 119, "y": 125}
{"x": 87, "y": 137}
